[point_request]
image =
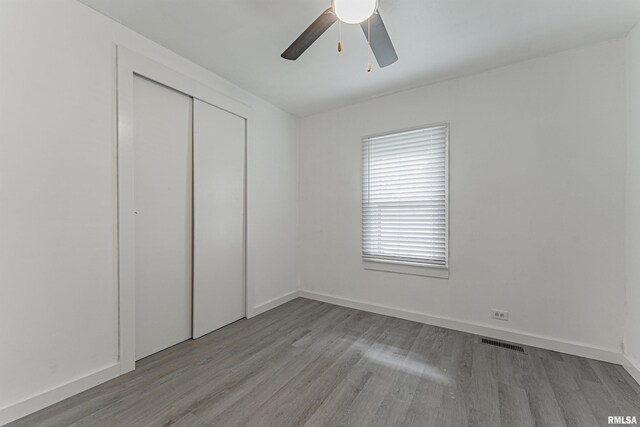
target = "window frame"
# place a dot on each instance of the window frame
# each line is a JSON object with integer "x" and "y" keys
{"x": 398, "y": 266}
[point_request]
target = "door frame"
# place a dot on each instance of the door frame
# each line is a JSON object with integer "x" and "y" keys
{"x": 130, "y": 63}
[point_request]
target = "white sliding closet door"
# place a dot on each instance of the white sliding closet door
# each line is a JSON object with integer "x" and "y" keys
{"x": 218, "y": 215}
{"x": 163, "y": 221}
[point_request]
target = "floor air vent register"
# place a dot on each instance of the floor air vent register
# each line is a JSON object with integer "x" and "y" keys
{"x": 508, "y": 346}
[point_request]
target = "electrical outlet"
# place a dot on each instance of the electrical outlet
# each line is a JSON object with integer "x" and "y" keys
{"x": 499, "y": 314}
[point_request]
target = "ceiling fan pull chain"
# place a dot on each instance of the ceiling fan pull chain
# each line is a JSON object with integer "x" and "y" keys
{"x": 339, "y": 36}
{"x": 369, "y": 45}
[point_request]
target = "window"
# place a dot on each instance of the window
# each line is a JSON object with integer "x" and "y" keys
{"x": 405, "y": 197}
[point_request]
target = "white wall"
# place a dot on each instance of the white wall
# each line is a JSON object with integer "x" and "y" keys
{"x": 537, "y": 199}
{"x": 541, "y": 236}
{"x": 58, "y": 293}
{"x": 632, "y": 323}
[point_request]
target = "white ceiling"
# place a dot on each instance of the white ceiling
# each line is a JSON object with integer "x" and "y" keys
{"x": 242, "y": 40}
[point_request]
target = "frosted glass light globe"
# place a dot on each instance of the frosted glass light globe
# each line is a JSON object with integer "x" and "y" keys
{"x": 354, "y": 11}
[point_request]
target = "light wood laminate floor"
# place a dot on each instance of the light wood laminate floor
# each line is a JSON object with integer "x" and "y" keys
{"x": 316, "y": 364}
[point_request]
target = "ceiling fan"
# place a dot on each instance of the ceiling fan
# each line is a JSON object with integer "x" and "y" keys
{"x": 363, "y": 12}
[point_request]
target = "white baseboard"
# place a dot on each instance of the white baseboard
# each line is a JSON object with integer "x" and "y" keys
{"x": 578, "y": 349}
{"x": 632, "y": 366}
{"x": 273, "y": 303}
{"x": 42, "y": 400}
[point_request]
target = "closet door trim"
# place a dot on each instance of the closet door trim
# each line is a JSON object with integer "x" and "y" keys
{"x": 130, "y": 64}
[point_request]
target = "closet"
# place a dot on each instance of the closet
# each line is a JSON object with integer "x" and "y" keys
{"x": 189, "y": 179}
{"x": 218, "y": 207}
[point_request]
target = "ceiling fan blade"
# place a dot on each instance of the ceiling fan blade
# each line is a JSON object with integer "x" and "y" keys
{"x": 310, "y": 35}
{"x": 380, "y": 42}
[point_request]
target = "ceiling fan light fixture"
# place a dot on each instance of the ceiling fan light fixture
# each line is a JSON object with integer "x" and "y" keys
{"x": 354, "y": 11}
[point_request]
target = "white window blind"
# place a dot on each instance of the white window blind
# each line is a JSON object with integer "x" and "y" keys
{"x": 404, "y": 197}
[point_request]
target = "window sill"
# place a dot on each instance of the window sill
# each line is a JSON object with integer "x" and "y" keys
{"x": 414, "y": 270}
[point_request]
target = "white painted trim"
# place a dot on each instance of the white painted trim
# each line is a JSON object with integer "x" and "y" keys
{"x": 275, "y": 302}
{"x": 129, "y": 64}
{"x": 570, "y": 347}
{"x": 42, "y": 400}
{"x": 632, "y": 366}
{"x": 413, "y": 270}
{"x": 248, "y": 239}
